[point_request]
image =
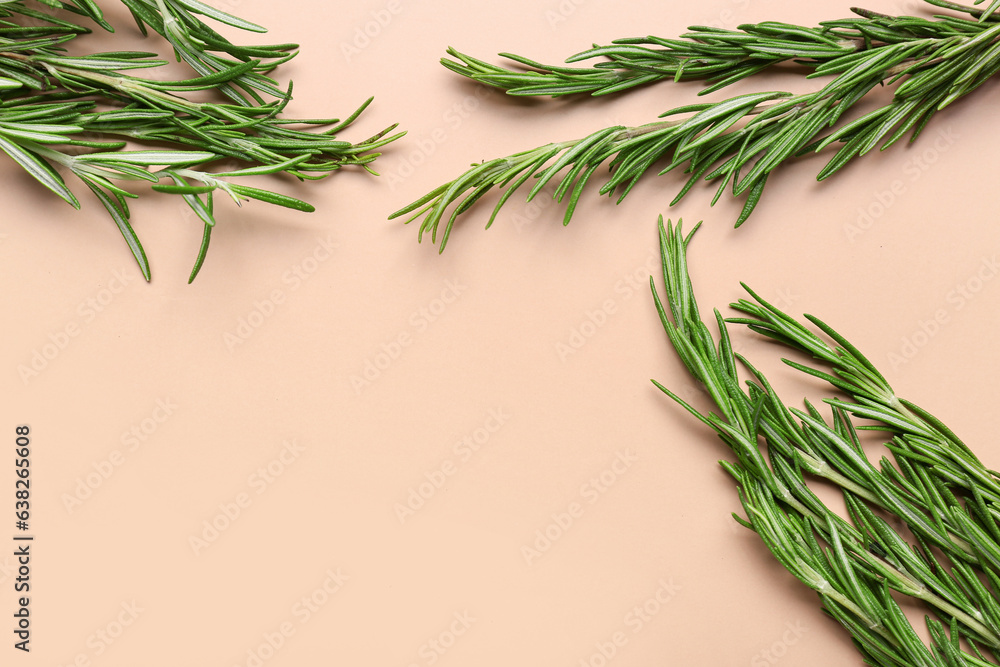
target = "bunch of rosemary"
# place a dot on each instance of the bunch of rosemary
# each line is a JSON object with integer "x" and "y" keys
{"x": 740, "y": 141}
{"x": 82, "y": 114}
{"x": 949, "y": 556}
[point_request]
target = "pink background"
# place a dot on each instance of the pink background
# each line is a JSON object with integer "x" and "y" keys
{"x": 463, "y": 348}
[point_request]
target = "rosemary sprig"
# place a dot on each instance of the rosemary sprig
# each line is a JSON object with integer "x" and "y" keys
{"x": 715, "y": 55}
{"x": 934, "y": 484}
{"x": 92, "y": 116}
{"x": 737, "y": 142}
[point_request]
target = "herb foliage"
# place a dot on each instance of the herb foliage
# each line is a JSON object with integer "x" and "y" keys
{"x": 862, "y": 567}
{"x": 110, "y": 123}
{"x": 736, "y": 143}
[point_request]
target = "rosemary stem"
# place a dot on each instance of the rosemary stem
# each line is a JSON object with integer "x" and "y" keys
{"x": 125, "y": 85}
{"x": 964, "y": 618}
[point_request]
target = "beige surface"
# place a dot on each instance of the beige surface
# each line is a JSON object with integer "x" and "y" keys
{"x": 465, "y": 386}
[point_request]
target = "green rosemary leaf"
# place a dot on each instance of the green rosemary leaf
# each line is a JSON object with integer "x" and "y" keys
{"x": 41, "y": 170}
{"x": 43, "y": 134}
{"x": 120, "y": 217}
{"x": 205, "y": 211}
{"x": 147, "y": 158}
{"x": 271, "y": 197}
{"x": 220, "y": 16}
{"x": 102, "y": 61}
{"x": 891, "y": 419}
{"x": 202, "y": 252}
{"x": 752, "y": 200}
{"x": 205, "y": 82}
{"x": 184, "y": 189}
{"x": 85, "y": 7}
{"x": 267, "y": 169}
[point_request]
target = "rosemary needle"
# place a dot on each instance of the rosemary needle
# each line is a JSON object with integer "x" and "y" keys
{"x": 934, "y": 484}
{"x": 94, "y": 116}
{"x": 738, "y": 142}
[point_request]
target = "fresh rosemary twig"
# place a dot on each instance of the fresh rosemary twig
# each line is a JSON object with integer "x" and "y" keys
{"x": 737, "y": 142}
{"x": 716, "y": 55}
{"x": 81, "y": 112}
{"x": 934, "y": 484}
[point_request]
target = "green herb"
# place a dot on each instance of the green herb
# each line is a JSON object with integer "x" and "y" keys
{"x": 85, "y": 115}
{"x": 861, "y": 569}
{"x": 740, "y": 141}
